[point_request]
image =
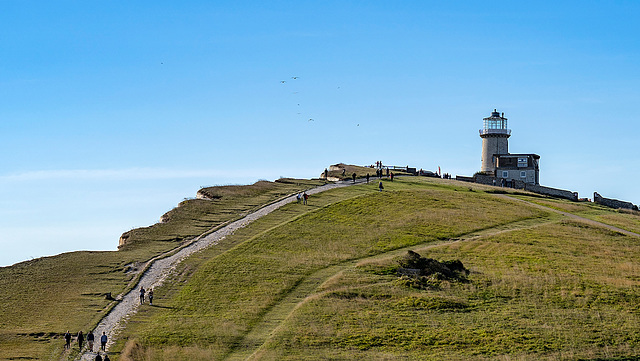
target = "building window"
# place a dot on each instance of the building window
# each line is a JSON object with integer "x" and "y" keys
{"x": 522, "y": 162}
{"x": 505, "y": 174}
{"x": 523, "y": 174}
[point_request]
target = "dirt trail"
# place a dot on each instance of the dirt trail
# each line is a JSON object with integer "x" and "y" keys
{"x": 253, "y": 342}
{"x": 572, "y": 216}
{"x": 156, "y": 274}
{"x": 260, "y": 333}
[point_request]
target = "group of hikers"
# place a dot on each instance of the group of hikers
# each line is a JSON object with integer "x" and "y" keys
{"x": 302, "y": 197}
{"x": 90, "y": 338}
{"x": 148, "y": 293}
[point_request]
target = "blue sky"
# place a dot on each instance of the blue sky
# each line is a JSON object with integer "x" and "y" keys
{"x": 112, "y": 112}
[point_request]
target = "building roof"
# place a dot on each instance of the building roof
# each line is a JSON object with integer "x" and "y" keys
{"x": 535, "y": 156}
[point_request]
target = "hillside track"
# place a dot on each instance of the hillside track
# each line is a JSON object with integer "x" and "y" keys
{"x": 573, "y": 216}
{"x": 161, "y": 268}
{"x": 250, "y": 347}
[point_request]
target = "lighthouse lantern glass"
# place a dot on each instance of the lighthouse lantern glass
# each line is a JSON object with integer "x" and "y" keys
{"x": 495, "y": 123}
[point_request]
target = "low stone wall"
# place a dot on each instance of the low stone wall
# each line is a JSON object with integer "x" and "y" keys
{"x": 613, "y": 203}
{"x": 518, "y": 184}
{"x": 465, "y": 179}
{"x": 485, "y": 179}
{"x": 553, "y": 192}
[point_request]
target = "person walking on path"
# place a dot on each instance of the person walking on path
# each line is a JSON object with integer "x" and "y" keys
{"x": 354, "y": 177}
{"x": 90, "y": 339}
{"x": 391, "y": 176}
{"x": 103, "y": 341}
{"x": 141, "y": 295}
{"x": 305, "y": 196}
{"x": 80, "y": 339}
{"x": 367, "y": 178}
{"x": 150, "y": 296}
{"x": 67, "y": 340}
{"x": 380, "y": 187}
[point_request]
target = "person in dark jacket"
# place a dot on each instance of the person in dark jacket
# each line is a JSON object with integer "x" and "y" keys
{"x": 67, "y": 340}
{"x": 142, "y": 295}
{"x": 103, "y": 341}
{"x": 90, "y": 339}
{"x": 80, "y": 339}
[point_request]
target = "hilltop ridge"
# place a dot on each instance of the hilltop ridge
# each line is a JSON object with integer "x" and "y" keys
{"x": 303, "y": 281}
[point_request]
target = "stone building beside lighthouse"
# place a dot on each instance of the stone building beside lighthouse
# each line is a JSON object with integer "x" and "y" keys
{"x": 497, "y": 162}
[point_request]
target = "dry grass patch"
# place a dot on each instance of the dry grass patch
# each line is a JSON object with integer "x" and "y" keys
{"x": 240, "y": 285}
{"x": 50, "y": 295}
{"x": 544, "y": 294}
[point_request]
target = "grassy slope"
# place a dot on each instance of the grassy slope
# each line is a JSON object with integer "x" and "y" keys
{"x": 42, "y": 298}
{"x": 194, "y": 216}
{"x": 625, "y": 219}
{"x": 557, "y": 291}
{"x": 231, "y": 288}
{"x": 545, "y": 293}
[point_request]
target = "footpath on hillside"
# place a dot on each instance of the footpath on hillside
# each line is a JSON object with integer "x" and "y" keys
{"x": 573, "y": 216}
{"x": 160, "y": 269}
{"x": 259, "y": 334}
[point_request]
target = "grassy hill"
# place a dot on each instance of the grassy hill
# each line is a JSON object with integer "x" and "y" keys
{"x": 41, "y": 299}
{"x": 319, "y": 282}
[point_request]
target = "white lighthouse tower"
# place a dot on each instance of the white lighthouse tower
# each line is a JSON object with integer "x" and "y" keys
{"x": 495, "y": 140}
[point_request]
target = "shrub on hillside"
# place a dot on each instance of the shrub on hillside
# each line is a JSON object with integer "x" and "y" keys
{"x": 427, "y": 273}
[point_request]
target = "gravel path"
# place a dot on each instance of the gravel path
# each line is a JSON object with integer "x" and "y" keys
{"x": 572, "y": 216}
{"x": 157, "y": 273}
{"x": 160, "y": 269}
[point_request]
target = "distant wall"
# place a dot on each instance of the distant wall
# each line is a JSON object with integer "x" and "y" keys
{"x": 553, "y": 192}
{"x": 518, "y": 184}
{"x": 485, "y": 179}
{"x": 465, "y": 179}
{"x": 613, "y": 203}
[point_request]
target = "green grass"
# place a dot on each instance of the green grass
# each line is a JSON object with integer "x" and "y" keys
{"x": 193, "y": 217}
{"x": 555, "y": 292}
{"x": 316, "y": 282}
{"x": 41, "y": 299}
{"x": 231, "y": 290}
{"x": 626, "y": 219}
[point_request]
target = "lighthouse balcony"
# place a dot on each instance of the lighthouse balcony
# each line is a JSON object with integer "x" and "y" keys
{"x": 495, "y": 131}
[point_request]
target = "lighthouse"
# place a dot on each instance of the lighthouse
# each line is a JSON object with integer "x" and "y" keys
{"x": 498, "y": 164}
{"x": 495, "y": 140}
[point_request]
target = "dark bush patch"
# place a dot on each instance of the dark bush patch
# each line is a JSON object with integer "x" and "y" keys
{"x": 416, "y": 265}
